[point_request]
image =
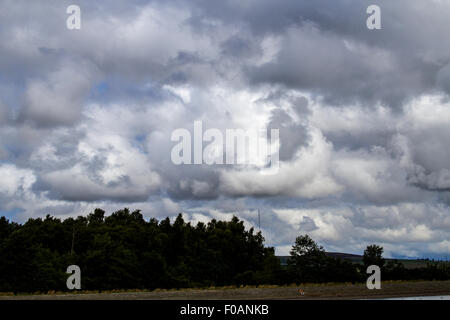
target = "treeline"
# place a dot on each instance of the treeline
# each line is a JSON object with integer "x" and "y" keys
{"x": 309, "y": 263}
{"x": 124, "y": 251}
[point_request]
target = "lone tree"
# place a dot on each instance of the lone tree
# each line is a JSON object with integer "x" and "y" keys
{"x": 373, "y": 255}
{"x": 305, "y": 246}
{"x": 307, "y": 260}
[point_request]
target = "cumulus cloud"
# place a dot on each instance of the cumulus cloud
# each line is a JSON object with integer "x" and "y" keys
{"x": 307, "y": 176}
{"x": 57, "y": 100}
{"x": 15, "y": 180}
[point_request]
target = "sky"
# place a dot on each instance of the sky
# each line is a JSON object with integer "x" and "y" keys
{"x": 87, "y": 115}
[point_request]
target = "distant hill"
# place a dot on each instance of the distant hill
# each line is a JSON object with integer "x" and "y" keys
{"x": 339, "y": 255}
{"x": 346, "y": 256}
{"x": 355, "y": 258}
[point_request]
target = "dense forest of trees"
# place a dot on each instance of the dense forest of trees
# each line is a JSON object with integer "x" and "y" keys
{"x": 124, "y": 251}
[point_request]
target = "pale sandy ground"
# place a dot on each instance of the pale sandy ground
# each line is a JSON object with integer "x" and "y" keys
{"x": 334, "y": 291}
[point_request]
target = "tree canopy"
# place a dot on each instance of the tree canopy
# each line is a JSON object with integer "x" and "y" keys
{"x": 123, "y": 251}
{"x": 373, "y": 255}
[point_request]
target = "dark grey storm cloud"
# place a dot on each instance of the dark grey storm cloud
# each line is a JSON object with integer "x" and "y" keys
{"x": 329, "y": 51}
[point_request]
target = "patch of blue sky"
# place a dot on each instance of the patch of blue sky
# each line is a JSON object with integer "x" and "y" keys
{"x": 122, "y": 90}
{"x": 11, "y": 214}
{"x": 139, "y": 142}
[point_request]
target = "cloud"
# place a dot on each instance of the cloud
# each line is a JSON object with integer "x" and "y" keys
{"x": 3, "y": 113}
{"x": 57, "y": 100}
{"x": 307, "y": 176}
{"x": 15, "y": 181}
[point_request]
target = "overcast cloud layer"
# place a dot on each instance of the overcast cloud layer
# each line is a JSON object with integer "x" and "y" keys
{"x": 86, "y": 115}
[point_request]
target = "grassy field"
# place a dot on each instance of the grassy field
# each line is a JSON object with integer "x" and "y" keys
{"x": 311, "y": 291}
